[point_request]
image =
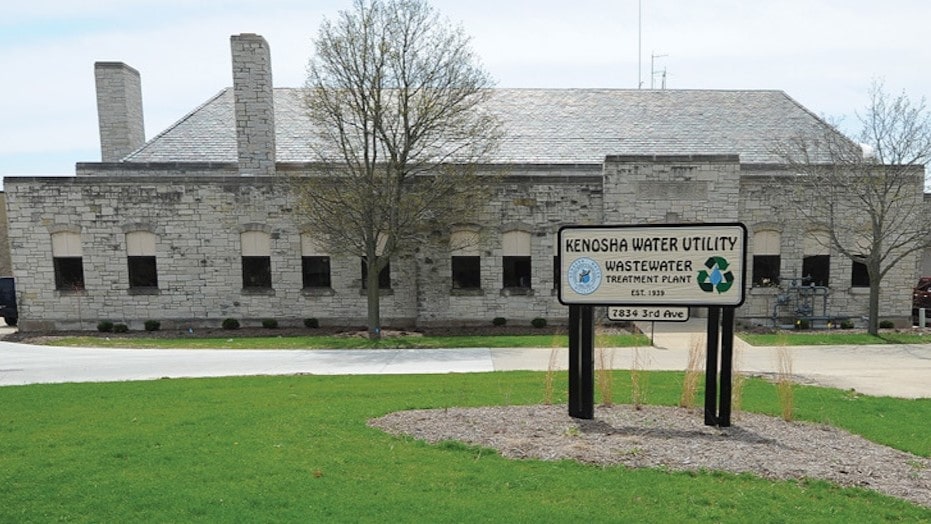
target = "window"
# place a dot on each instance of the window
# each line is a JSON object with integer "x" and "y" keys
{"x": 465, "y": 260}
{"x": 816, "y": 262}
{"x": 315, "y": 266}
{"x": 467, "y": 271}
{"x": 316, "y": 271}
{"x": 384, "y": 276}
{"x": 859, "y": 275}
{"x": 256, "y": 260}
{"x": 140, "y": 256}
{"x": 766, "y": 258}
{"x": 816, "y": 270}
{"x": 68, "y": 261}
{"x": 516, "y": 263}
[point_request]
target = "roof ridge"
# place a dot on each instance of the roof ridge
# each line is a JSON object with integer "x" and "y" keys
{"x": 175, "y": 124}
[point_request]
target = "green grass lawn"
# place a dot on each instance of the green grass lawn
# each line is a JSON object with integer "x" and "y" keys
{"x": 832, "y": 338}
{"x": 297, "y": 449}
{"x": 333, "y": 342}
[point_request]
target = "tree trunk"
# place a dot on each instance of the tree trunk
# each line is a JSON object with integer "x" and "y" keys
{"x": 373, "y": 299}
{"x": 873, "y": 323}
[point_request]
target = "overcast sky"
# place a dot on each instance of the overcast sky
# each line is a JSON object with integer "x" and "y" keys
{"x": 823, "y": 53}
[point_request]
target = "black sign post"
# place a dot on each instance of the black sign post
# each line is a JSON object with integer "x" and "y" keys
{"x": 711, "y": 367}
{"x": 718, "y": 389}
{"x": 582, "y": 362}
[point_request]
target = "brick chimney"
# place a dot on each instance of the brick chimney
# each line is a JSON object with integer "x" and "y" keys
{"x": 119, "y": 110}
{"x": 254, "y": 104}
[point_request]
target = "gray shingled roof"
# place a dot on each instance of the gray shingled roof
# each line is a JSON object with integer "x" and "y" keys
{"x": 548, "y": 126}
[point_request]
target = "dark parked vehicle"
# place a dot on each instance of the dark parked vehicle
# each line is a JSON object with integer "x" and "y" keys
{"x": 8, "y": 301}
{"x": 921, "y": 297}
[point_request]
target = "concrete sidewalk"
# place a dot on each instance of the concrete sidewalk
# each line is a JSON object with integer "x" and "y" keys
{"x": 894, "y": 370}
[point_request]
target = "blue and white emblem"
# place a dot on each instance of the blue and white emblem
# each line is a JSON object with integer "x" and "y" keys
{"x": 584, "y": 276}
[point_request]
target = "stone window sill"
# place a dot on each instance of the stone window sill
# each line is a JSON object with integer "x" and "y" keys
{"x": 144, "y": 291}
{"x": 318, "y": 292}
{"x": 258, "y": 291}
{"x": 517, "y": 292}
{"x": 763, "y": 291}
{"x": 467, "y": 292}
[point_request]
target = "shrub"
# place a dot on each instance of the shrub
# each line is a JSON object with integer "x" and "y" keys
{"x": 499, "y": 321}
{"x": 886, "y": 324}
{"x": 846, "y": 324}
{"x": 802, "y": 324}
{"x": 120, "y": 328}
{"x": 311, "y": 323}
{"x": 105, "y": 326}
{"x": 230, "y": 323}
{"x": 270, "y": 323}
{"x": 152, "y": 325}
{"x": 538, "y": 322}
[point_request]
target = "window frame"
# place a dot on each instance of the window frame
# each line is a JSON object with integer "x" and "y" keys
{"x": 324, "y": 278}
{"x": 808, "y": 260}
{"x": 515, "y": 277}
{"x": 63, "y": 284}
{"x": 143, "y": 271}
{"x": 766, "y": 270}
{"x": 466, "y": 272}
{"x": 859, "y": 275}
{"x": 256, "y": 272}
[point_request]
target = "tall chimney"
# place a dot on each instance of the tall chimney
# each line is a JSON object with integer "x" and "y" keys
{"x": 119, "y": 110}
{"x": 255, "y": 107}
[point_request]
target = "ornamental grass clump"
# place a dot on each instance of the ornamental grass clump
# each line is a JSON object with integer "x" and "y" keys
{"x": 604, "y": 364}
{"x": 784, "y": 383}
{"x": 693, "y": 372}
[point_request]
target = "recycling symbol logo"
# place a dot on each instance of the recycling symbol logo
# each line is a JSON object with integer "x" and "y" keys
{"x": 715, "y": 277}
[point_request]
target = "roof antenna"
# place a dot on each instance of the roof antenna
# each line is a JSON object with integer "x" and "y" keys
{"x": 639, "y": 44}
{"x": 654, "y": 72}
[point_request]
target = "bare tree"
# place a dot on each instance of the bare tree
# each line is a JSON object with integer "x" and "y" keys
{"x": 397, "y": 99}
{"x": 868, "y": 192}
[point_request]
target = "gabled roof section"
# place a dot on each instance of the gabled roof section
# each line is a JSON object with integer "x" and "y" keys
{"x": 544, "y": 126}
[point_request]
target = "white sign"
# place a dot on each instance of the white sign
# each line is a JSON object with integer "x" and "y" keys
{"x": 668, "y": 265}
{"x": 648, "y": 313}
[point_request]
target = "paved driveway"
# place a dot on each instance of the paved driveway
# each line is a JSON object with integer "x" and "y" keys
{"x": 894, "y": 370}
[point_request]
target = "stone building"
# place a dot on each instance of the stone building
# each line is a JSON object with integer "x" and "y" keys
{"x": 197, "y": 224}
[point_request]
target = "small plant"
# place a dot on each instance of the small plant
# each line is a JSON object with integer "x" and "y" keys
{"x": 886, "y": 324}
{"x": 784, "y": 383}
{"x": 105, "y": 326}
{"x": 538, "y": 322}
{"x": 692, "y": 372}
{"x": 152, "y": 325}
{"x": 499, "y": 321}
{"x": 604, "y": 364}
{"x": 638, "y": 380}
{"x": 230, "y": 323}
{"x": 802, "y": 324}
{"x": 311, "y": 323}
{"x": 270, "y": 323}
{"x": 846, "y": 324}
{"x": 549, "y": 380}
{"x": 120, "y": 328}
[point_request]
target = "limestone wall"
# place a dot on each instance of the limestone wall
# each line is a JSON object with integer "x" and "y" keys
{"x": 197, "y": 221}
{"x": 198, "y": 212}
{"x": 767, "y": 204}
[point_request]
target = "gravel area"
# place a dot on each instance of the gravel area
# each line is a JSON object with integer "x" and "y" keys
{"x": 676, "y": 439}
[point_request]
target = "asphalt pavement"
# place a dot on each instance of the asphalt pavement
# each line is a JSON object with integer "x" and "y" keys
{"x": 893, "y": 370}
